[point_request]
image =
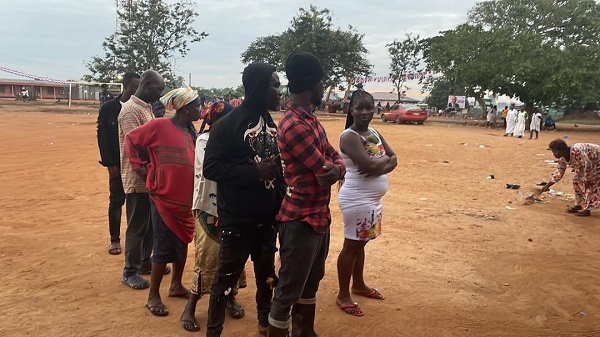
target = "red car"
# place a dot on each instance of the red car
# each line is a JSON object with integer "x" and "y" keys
{"x": 405, "y": 114}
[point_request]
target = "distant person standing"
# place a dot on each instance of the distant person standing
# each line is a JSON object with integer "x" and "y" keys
{"x": 536, "y": 124}
{"x": 108, "y": 143}
{"x": 387, "y": 106}
{"x": 24, "y": 94}
{"x": 504, "y": 115}
{"x": 520, "y": 126}
{"x": 105, "y": 95}
{"x": 492, "y": 114}
{"x": 139, "y": 235}
{"x": 379, "y": 107}
{"x": 511, "y": 121}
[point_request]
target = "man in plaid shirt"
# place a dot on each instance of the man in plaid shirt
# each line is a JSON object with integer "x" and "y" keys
{"x": 311, "y": 166}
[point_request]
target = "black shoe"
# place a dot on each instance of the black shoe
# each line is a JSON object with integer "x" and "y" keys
{"x": 303, "y": 320}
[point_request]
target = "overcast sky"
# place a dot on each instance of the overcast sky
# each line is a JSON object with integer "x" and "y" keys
{"x": 54, "y": 38}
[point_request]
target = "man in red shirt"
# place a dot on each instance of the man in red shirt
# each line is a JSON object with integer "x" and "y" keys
{"x": 311, "y": 166}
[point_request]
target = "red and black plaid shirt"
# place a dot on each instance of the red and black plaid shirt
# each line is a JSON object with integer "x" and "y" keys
{"x": 304, "y": 151}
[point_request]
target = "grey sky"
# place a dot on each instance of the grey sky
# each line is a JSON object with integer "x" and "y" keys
{"x": 54, "y": 38}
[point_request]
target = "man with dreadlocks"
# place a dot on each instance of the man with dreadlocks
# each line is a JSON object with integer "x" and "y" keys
{"x": 312, "y": 165}
{"x": 368, "y": 159}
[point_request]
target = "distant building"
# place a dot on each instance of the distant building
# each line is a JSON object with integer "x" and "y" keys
{"x": 385, "y": 97}
{"x": 11, "y": 88}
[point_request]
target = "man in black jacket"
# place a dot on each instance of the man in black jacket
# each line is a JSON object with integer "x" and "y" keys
{"x": 108, "y": 143}
{"x": 243, "y": 158}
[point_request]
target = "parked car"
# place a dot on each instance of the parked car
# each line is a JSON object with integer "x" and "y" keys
{"x": 403, "y": 113}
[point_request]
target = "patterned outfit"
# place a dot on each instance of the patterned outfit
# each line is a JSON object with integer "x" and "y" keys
{"x": 585, "y": 161}
{"x": 360, "y": 196}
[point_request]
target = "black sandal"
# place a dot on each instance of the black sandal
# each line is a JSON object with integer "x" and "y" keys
{"x": 574, "y": 209}
{"x": 191, "y": 326}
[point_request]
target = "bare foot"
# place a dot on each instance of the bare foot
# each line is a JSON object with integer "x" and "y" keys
{"x": 179, "y": 291}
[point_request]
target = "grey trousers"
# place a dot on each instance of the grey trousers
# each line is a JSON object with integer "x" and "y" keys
{"x": 303, "y": 253}
{"x": 139, "y": 236}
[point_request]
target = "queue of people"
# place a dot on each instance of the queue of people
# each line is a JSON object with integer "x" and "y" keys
{"x": 238, "y": 186}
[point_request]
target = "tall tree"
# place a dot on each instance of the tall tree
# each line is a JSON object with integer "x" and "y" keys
{"x": 468, "y": 56}
{"x": 342, "y": 53}
{"x": 406, "y": 59}
{"x": 152, "y": 35}
{"x": 560, "y": 61}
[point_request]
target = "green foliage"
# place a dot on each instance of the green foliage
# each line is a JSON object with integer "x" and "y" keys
{"x": 405, "y": 58}
{"x": 341, "y": 52}
{"x": 226, "y": 93}
{"x": 152, "y": 35}
{"x": 541, "y": 51}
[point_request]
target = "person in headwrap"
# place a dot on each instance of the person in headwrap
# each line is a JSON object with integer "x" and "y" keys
{"x": 243, "y": 158}
{"x": 163, "y": 151}
{"x": 206, "y": 235}
{"x": 312, "y": 165}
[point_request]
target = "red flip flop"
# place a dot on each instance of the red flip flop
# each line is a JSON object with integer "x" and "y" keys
{"x": 345, "y": 308}
{"x": 374, "y": 293}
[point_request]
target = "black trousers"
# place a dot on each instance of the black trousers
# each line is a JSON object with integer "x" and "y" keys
{"x": 115, "y": 206}
{"x": 237, "y": 243}
{"x": 303, "y": 253}
{"x": 139, "y": 236}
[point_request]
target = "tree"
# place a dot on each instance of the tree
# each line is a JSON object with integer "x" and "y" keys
{"x": 406, "y": 58}
{"x": 469, "y": 57}
{"x": 152, "y": 35}
{"x": 561, "y": 61}
{"x": 225, "y": 93}
{"x": 341, "y": 52}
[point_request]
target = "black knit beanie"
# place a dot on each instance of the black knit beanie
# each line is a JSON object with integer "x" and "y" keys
{"x": 303, "y": 71}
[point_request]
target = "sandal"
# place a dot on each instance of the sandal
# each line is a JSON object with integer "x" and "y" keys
{"x": 235, "y": 309}
{"x": 574, "y": 209}
{"x": 158, "y": 311}
{"x": 135, "y": 282}
{"x": 374, "y": 293}
{"x": 191, "y": 326}
{"x": 347, "y": 308}
{"x": 585, "y": 212}
{"x": 114, "y": 248}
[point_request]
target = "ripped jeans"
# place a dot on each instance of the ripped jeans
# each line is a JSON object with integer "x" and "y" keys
{"x": 237, "y": 243}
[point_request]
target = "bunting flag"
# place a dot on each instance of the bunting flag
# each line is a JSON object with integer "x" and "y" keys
{"x": 38, "y": 78}
{"x": 383, "y": 79}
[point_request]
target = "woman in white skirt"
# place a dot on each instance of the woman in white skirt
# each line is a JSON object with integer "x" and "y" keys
{"x": 368, "y": 159}
{"x": 520, "y": 127}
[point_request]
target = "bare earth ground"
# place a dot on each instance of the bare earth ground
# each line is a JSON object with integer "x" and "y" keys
{"x": 458, "y": 263}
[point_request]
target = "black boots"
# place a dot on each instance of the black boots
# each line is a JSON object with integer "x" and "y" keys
{"x": 276, "y": 332}
{"x": 303, "y": 320}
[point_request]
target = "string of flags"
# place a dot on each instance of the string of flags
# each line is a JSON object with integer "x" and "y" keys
{"x": 383, "y": 79}
{"x": 38, "y": 78}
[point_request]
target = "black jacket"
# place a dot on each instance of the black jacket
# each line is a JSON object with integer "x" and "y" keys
{"x": 108, "y": 132}
{"x": 237, "y": 142}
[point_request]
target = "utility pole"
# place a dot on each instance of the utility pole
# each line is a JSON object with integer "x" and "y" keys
{"x": 190, "y": 81}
